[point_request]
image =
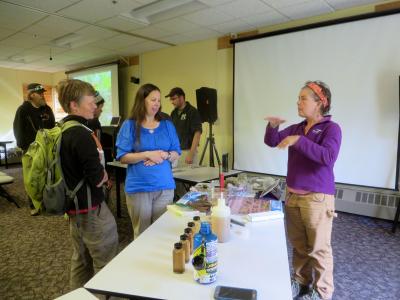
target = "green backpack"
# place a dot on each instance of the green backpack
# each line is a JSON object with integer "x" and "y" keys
{"x": 43, "y": 176}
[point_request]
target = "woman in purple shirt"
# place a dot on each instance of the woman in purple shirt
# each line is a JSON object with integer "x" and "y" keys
{"x": 310, "y": 204}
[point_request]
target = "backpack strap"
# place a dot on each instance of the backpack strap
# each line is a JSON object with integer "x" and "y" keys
{"x": 72, "y": 193}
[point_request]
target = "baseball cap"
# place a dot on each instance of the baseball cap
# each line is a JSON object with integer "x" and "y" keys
{"x": 36, "y": 87}
{"x": 98, "y": 98}
{"x": 176, "y": 91}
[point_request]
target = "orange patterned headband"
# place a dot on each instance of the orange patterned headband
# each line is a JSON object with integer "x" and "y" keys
{"x": 318, "y": 90}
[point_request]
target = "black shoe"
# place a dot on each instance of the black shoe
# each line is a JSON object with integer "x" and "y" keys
{"x": 298, "y": 289}
{"x": 311, "y": 295}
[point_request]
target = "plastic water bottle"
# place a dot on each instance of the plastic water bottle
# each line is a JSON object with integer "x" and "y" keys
{"x": 221, "y": 220}
{"x": 205, "y": 256}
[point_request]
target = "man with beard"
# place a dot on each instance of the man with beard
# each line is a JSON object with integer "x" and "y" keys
{"x": 31, "y": 116}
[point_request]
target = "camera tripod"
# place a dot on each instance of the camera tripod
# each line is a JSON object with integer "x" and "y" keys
{"x": 210, "y": 141}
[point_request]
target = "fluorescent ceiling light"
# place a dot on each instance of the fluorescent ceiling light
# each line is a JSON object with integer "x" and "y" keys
{"x": 156, "y": 10}
{"x": 17, "y": 58}
{"x": 25, "y": 58}
{"x": 67, "y": 41}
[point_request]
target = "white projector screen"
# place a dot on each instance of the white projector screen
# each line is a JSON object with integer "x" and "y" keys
{"x": 359, "y": 60}
{"x": 105, "y": 80}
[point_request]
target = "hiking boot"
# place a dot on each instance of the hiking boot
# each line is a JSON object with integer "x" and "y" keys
{"x": 298, "y": 289}
{"x": 311, "y": 295}
{"x": 35, "y": 212}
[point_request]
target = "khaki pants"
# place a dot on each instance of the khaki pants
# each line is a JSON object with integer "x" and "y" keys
{"x": 309, "y": 225}
{"x": 94, "y": 241}
{"x": 144, "y": 208}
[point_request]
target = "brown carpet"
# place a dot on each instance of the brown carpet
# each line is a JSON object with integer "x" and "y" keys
{"x": 35, "y": 252}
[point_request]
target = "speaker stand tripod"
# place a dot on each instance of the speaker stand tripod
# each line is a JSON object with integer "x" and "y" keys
{"x": 210, "y": 141}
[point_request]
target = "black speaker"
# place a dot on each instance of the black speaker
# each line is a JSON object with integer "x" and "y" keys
{"x": 207, "y": 104}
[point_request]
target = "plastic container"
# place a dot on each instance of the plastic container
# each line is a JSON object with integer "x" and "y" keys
{"x": 205, "y": 258}
{"x": 221, "y": 220}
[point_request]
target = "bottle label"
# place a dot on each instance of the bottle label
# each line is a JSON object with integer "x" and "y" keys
{"x": 207, "y": 271}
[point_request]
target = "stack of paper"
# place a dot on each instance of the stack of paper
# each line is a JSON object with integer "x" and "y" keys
{"x": 264, "y": 216}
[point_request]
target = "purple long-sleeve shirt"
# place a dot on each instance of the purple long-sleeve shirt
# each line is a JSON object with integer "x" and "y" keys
{"x": 311, "y": 159}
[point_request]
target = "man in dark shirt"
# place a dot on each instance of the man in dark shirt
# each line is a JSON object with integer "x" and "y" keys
{"x": 187, "y": 122}
{"x": 31, "y": 116}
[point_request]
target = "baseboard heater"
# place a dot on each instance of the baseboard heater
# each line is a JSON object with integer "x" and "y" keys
{"x": 369, "y": 202}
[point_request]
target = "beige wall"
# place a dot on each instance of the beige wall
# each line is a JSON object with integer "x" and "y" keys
{"x": 190, "y": 67}
{"x": 11, "y": 96}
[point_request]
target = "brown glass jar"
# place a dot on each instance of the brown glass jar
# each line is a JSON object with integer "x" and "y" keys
{"x": 189, "y": 232}
{"x": 186, "y": 246}
{"x": 178, "y": 258}
{"x": 197, "y": 224}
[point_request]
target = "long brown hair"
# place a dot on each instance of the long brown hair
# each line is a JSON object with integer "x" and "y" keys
{"x": 138, "y": 112}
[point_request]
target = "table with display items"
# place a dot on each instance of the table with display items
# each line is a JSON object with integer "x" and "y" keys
{"x": 4, "y": 145}
{"x": 188, "y": 175}
{"x": 79, "y": 293}
{"x": 255, "y": 257}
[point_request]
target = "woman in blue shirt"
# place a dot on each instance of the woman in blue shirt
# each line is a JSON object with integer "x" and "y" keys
{"x": 148, "y": 143}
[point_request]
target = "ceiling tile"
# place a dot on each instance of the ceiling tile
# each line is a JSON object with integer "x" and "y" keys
{"x": 26, "y": 57}
{"x": 9, "y": 64}
{"x": 46, "y": 5}
{"x": 214, "y": 2}
{"x": 177, "y": 25}
{"x": 152, "y": 31}
{"x": 94, "y": 32}
{"x": 176, "y": 39}
{"x": 96, "y": 10}
{"x": 5, "y": 33}
{"x": 121, "y": 23}
{"x": 54, "y": 69}
{"x": 62, "y": 58}
{"x": 179, "y": 11}
{"x": 232, "y": 26}
{"x": 341, "y": 4}
{"x": 54, "y": 27}
{"x": 265, "y": 19}
{"x": 15, "y": 18}
{"x": 119, "y": 41}
{"x": 208, "y": 16}
{"x": 24, "y": 40}
{"x": 7, "y": 51}
{"x": 86, "y": 51}
{"x": 243, "y": 8}
{"x": 201, "y": 34}
{"x": 144, "y": 47}
{"x": 282, "y": 3}
{"x": 306, "y": 9}
{"x": 207, "y": 19}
